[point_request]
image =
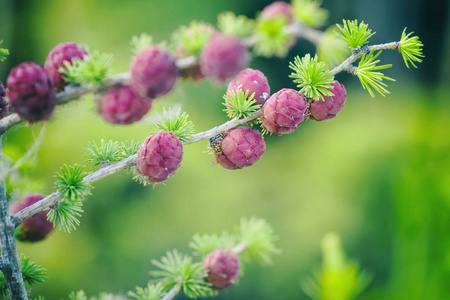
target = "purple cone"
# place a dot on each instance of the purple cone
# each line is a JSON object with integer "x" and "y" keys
{"x": 31, "y": 92}
{"x": 223, "y": 57}
{"x": 241, "y": 147}
{"x": 122, "y": 105}
{"x": 160, "y": 156}
{"x": 278, "y": 9}
{"x": 4, "y": 109}
{"x": 153, "y": 72}
{"x": 328, "y": 109}
{"x": 284, "y": 111}
{"x": 223, "y": 267}
{"x": 56, "y": 58}
{"x": 36, "y": 227}
{"x": 253, "y": 81}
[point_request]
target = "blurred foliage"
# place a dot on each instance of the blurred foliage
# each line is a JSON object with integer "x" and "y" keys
{"x": 377, "y": 174}
{"x": 338, "y": 278}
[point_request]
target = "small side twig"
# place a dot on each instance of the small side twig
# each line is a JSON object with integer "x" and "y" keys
{"x": 239, "y": 248}
{"x": 361, "y": 51}
{"x": 32, "y": 151}
{"x": 172, "y": 293}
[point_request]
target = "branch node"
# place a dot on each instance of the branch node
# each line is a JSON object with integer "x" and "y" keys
{"x": 104, "y": 164}
{"x": 351, "y": 69}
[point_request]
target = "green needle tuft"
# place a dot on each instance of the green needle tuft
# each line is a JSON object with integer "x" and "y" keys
{"x": 310, "y": 12}
{"x": 106, "y": 152}
{"x": 151, "y": 292}
{"x": 204, "y": 244}
{"x": 177, "y": 123}
{"x": 410, "y": 48}
{"x": 312, "y": 77}
{"x": 3, "y": 52}
{"x": 369, "y": 75}
{"x": 259, "y": 238}
{"x": 139, "y": 43}
{"x": 271, "y": 39}
{"x": 94, "y": 69}
{"x": 240, "y": 104}
{"x": 32, "y": 273}
{"x": 356, "y": 35}
{"x": 189, "y": 40}
{"x": 70, "y": 183}
{"x": 66, "y": 215}
{"x": 228, "y": 22}
{"x": 178, "y": 270}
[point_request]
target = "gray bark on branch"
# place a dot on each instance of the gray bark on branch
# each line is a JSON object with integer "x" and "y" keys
{"x": 10, "y": 258}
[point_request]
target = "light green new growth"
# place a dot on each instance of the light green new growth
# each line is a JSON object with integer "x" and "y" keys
{"x": 331, "y": 49}
{"x": 355, "y": 35}
{"x": 32, "y": 273}
{"x": 178, "y": 270}
{"x": 80, "y": 295}
{"x": 3, "y": 52}
{"x": 338, "y": 278}
{"x": 369, "y": 76}
{"x": 70, "y": 183}
{"x": 94, "y": 68}
{"x": 310, "y": 12}
{"x": 312, "y": 77}
{"x": 204, "y": 244}
{"x": 240, "y": 105}
{"x": 410, "y": 48}
{"x": 271, "y": 38}
{"x": 66, "y": 215}
{"x": 228, "y": 22}
{"x": 151, "y": 292}
{"x": 106, "y": 152}
{"x": 129, "y": 148}
{"x": 177, "y": 123}
{"x": 259, "y": 238}
{"x": 191, "y": 39}
{"x": 140, "y": 42}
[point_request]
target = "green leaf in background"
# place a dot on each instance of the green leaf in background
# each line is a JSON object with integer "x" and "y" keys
{"x": 271, "y": 38}
{"x": 338, "y": 278}
{"x": 228, "y": 22}
{"x": 3, "y": 52}
{"x": 310, "y": 12}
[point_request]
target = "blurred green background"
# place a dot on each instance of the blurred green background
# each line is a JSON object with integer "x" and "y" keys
{"x": 377, "y": 174}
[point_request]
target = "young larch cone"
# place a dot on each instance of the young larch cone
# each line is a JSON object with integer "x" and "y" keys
{"x": 160, "y": 156}
{"x": 284, "y": 111}
{"x": 223, "y": 267}
{"x": 37, "y": 227}
{"x": 31, "y": 92}
{"x": 241, "y": 147}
